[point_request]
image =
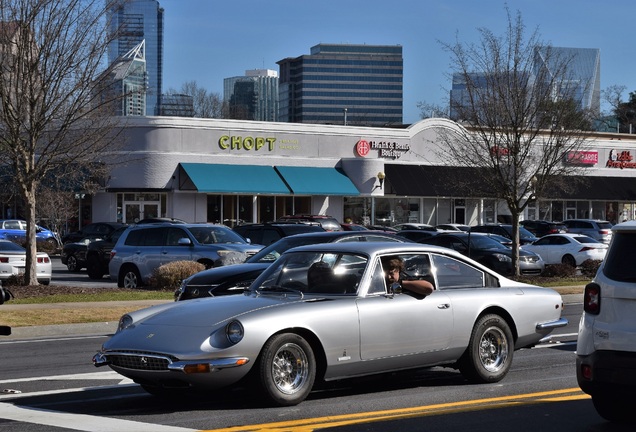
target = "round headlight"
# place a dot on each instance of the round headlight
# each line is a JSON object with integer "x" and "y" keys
{"x": 124, "y": 322}
{"x": 234, "y": 332}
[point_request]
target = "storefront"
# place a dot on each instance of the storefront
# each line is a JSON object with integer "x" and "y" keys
{"x": 228, "y": 171}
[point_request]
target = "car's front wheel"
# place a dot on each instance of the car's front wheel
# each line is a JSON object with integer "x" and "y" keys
{"x": 568, "y": 260}
{"x": 72, "y": 264}
{"x": 129, "y": 277}
{"x": 489, "y": 354}
{"x": 287, "y": 369}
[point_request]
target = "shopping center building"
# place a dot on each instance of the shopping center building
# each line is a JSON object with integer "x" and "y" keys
{"x": 231, "y": 171}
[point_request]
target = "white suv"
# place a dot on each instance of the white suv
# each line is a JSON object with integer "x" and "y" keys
{"x": 606, "y": 347}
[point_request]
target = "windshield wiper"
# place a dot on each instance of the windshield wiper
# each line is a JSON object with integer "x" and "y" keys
{"x": 278, "y": 288}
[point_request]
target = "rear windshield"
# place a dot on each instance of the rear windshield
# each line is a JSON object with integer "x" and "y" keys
{"x": 620, "y": 259}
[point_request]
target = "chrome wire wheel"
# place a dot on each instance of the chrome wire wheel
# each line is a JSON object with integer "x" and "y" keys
{"x": 493, "y": 349}
{"x": 290, "y": 368}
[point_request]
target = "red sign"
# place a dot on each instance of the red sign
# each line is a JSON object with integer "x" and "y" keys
{"x": 362, "y": 147}
{"x": 582, "y": 157}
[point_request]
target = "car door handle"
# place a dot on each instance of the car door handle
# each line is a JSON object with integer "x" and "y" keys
{"x": 443, "y": 306}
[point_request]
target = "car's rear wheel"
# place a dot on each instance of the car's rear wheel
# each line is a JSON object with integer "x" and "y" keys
{"x": 287, "y": 369}
{"x": 490, "y": 350}
{"x": 129, "y": 277}
{"x": 94, "y": 268}
{"x": 614, "y": 407}
{"x": 72, "y": 264}
{"x": 568, "y": 260}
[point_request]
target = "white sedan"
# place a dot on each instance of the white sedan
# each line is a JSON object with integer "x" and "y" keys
{"x": 571, "y": 249}
{"x": 13, "y": 262}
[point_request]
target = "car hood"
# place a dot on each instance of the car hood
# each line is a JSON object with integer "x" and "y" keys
{"x": 222, "y": 274}
{"x": 210, "y": 312}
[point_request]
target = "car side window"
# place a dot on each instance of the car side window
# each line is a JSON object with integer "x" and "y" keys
{"x": 12, "y": 225}
{"x": 153, "y": 237}
{"x": 452, "y": 274}
{"x": 134, "y": 238}
{"x": 378, "y": 280}
{"x": 174, "y": 235}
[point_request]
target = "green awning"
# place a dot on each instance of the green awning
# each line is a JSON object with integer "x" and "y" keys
{"x": 317, "y": 181}
{"x": 222, "y": 178}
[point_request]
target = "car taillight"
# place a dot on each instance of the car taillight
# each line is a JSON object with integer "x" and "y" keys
{"x": 592, "y": 298}
{"x": 604, "y": 232}
{"x": 586, "y": 248}
{"x": 4, "y": 259}
{"x": 45, "y": 260}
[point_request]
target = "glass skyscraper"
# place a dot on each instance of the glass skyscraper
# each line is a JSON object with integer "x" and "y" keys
{"x": 253, "y": 96}
{"x": 135, "y": 21}
{"x": 343, "y": 84}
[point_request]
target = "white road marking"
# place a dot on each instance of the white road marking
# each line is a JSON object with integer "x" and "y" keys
{"x": 10, "y": 342}
{"x": 81, "y": 422}
{"x": 106, "y": 375}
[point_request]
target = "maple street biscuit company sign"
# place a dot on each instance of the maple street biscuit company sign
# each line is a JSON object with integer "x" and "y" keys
{"x": 386, "y": 149}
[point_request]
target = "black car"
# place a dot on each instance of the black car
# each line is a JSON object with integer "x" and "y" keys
{"x": 525, "y": 236}
{"x": 416, "y": 235}
{"x": 488, "y": 252}
{"x": 541, "y": 227}
{"x": 98, "y": 254}
{"x": 75, "y": 255}
{"x": 97, "y": 230}
{"x": 233, "y": 279}
{"x": 268, "y": 233}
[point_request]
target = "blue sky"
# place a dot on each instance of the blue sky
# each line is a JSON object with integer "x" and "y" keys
{"x": 209, "y": 40}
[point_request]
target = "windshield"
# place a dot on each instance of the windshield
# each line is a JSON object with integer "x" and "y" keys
{"x": 215, "y": 234}
{"x": 313, "y": 273}
{"x": 485, "y": 242}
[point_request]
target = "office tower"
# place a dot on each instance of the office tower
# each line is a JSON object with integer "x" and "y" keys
{"x": 134, "y": 21}
{"x": 253, "y": 96}
{"x": 127, "y": 76}
{"x": 343, "y": 84}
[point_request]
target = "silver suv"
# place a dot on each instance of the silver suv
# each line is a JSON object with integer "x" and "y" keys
{"x": 597, "y": 229}
{"x": 143, "y": 248}
{"x": 606, "y": 347}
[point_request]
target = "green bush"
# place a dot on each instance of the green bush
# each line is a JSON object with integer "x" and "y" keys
{"x": 559, "y": 270}
{"x": 589, "y": 267}
{"x": 169, "y": 276}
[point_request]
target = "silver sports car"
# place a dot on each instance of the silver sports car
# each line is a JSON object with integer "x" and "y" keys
{"x": 326, "y": 312}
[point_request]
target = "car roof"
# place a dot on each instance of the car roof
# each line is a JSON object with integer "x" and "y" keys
{"x": 625, "y": 226}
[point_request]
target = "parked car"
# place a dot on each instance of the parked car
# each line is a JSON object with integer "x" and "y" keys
{"x": 488, "y": 252}
{"x": 329, "y": 223}
{"x": 73, "y": 255}
{"x": 570, "y": 249}
{"x": 98, "y": 254}
{"x": 277, "y": 331}
{"x": 95, "y": 230}
{"x": 267, "y": 233}
{"x": 453, "y": 227}
{"x": 415, "y": 234}
{"x": 525, "y": 236}
{"x": 539, "y": 228}
{"x": 235, "y": 278}
{"x": 606, "y": 345}
{"x": 13, "y": 262}
{"x": 597, "y": 229}
{"x": 414, "y": 226}
{"x": 143, "y": 248}
{"x": 15, "y": 230}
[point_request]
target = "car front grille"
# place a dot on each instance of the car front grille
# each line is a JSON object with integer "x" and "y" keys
{"x": 140, "y": 360}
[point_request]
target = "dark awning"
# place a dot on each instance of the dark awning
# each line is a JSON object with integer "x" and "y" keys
{"x": 434, "y": 181}
{"x": 317, "y": 181}
{"x": 592, "y": 188}
{"x": 221, "y": 178}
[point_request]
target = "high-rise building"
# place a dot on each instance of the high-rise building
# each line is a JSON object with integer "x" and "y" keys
{"x": 350, "y": 84}
{"x": 581, "y": 80}
{"x": 134, "y": 21}
{"x": 127, "y": 76}
{"x": 253, "y": 96}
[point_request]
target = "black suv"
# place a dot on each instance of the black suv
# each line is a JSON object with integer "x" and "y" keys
{"x": 525, "y": 236}
{"x": 98, "y": 254}
{"x": 268, "y": 233}
{"x": 541, "y": 227}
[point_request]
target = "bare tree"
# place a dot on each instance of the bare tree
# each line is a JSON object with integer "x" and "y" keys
{"x": 206, "y": 105}
{"x": 53, "y": 110}
{"x": 432, "y": 110}
{"x": 520, "y": 117}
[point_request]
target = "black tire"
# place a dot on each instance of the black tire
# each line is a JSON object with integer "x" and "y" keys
{"x": 72, "y": 265}
{"x": 51, "y": 243}
{"x": 490, "y": 350}
{"x": 614, "y": 407}
{"x": 129, "y": 277}
{"x": 94, "y": 268}
{"x": 568, "y": 260}
{"x": 286, "y": 369}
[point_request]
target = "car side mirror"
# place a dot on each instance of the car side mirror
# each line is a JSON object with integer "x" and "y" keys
{"x": 184, "y": 241}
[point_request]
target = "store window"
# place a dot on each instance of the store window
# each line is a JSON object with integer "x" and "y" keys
{"x": 357, "y": 210}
